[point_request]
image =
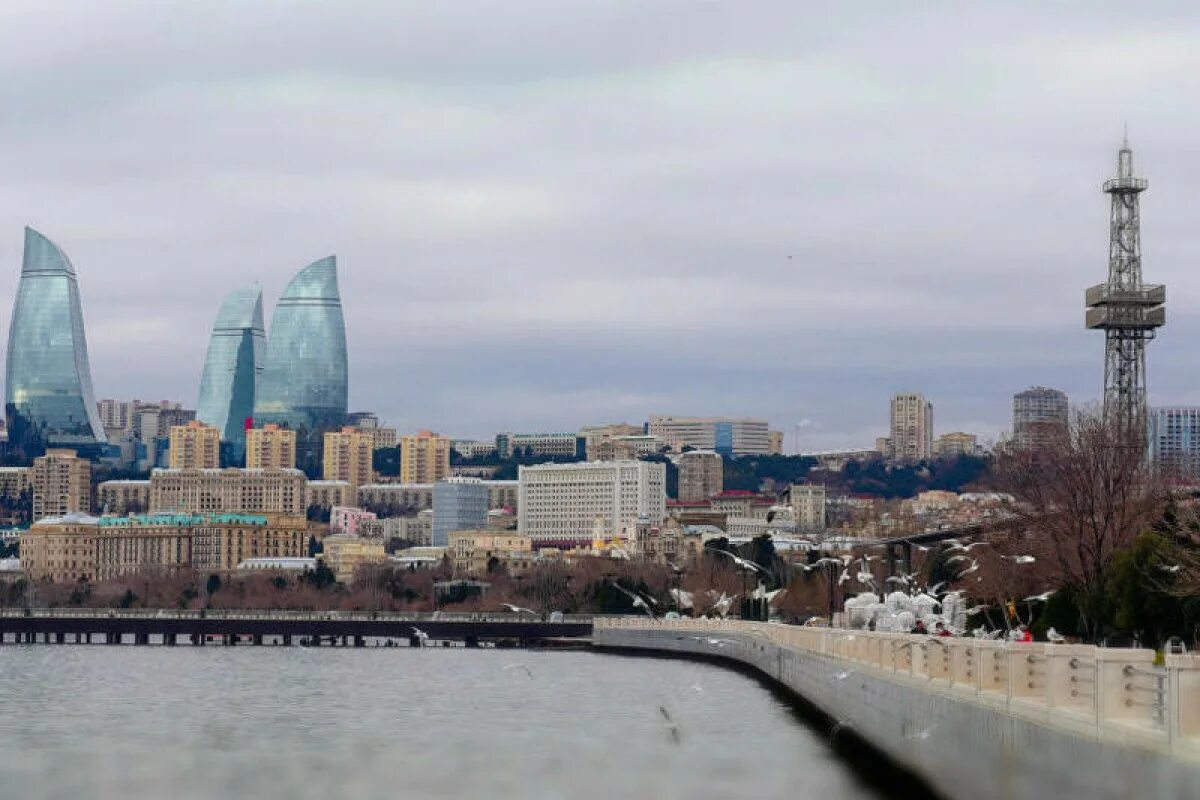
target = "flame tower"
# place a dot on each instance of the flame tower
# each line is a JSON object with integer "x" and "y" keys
{"x": 1126, "y": 309}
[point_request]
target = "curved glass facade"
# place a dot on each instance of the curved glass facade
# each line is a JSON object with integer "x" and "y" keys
{"x": 303, "y": 382}
{"x": 233, "y": 365}
{"x": 47, "y": 378}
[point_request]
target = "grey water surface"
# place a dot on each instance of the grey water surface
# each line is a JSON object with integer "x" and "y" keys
{"x": 181, "y": 723}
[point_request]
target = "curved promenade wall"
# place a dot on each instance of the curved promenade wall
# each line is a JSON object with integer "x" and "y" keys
{"x": 975, "y": 718}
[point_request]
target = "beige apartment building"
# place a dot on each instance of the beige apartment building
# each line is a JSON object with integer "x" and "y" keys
{"x": 473, "y": 550}
{"x": 194, "y": 446}
{"x": 424, "y": 457}
{"x": 199, "y": 491}
{"x": 60, "y": 548}
{"x": 701, "y": 475}
{"x": 270, "y": 447}
{"x": 102, "y": 548}
{"x": 123, "y": 497}
{"x": 62, "y": 483}
{"x": 327, "y": 494}
{"x": 348, "y": 455}
{"x": 345, "y": 555}
{"x": 911, "y": 436}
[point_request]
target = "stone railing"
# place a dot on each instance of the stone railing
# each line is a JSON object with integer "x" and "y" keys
{"x": 1112, "y": 694}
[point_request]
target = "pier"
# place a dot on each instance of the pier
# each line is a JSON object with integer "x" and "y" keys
{"x": 313, "y": 628}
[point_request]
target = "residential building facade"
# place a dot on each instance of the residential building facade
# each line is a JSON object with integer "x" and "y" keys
{"x": 1039, "y": 413}
{"x": 911, "y": 437}
{"x": 195, "y": 446}
{"x": 199, "y": 491}
{"x": 701, "y": 475}
{"x": 348, "y": 455}
{"x": 270, "y": 447}
{"x": 1174, "y": 438}
{"x": 424, "y": 457}
{"x": 62, "y": 484}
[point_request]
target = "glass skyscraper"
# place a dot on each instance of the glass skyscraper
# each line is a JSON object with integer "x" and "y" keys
{"x": 303, "y": 383}
{"x": 233, "y": 365}
{"x": 48, "y": 383}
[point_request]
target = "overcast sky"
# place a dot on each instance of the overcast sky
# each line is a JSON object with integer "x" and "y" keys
{"x": 549, "y": 214}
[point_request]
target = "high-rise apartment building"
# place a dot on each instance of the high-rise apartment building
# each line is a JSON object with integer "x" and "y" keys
{"x": 424, "y": 457}
{"x": 701, "y": 475}
{"x": 270, "y": 447}
{"x": 199, "y": 491}
{"x": 1038, "y": 413}
{"x": 62, "y": 483}
{"x": 573, "y": 502}
{"x": 304, "y": 378}
{"x": 195, "y": 446}
{"x": 912, "y": 428}
{"x": 728, "y": 436}
{"x": 1174, "y": 435}
{"x": 233, "y": 364}
{"x": 347, "y": 457}
{"x": 459, "y": 504}
{"x": 48, "y": 382}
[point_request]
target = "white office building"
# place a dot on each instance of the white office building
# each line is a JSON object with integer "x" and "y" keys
{"x": 728, "y": 436}
{"x": 576, "y": 501}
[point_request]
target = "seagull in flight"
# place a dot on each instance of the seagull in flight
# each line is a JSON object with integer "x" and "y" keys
{"x": 1020, "y": 559}
{"x": 1173, "y": 568}
{"x": 636, "y": 599}
{"x": 519, "y": 666}
{"x": 741, "y": 562}
{"x": 519, "y": 609}
{"x": 1039, "y": 598}
{"x": 422, "y": 636}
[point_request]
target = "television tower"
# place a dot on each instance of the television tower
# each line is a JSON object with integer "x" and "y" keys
{"x": 1127, "y": 310}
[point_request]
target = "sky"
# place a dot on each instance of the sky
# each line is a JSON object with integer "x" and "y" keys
{"x": 549, "y": 214}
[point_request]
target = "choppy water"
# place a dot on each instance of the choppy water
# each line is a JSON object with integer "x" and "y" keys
{"x": 181, "y": 723}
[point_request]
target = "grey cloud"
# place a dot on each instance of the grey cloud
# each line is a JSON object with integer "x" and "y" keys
{"x": 548, "y": 214}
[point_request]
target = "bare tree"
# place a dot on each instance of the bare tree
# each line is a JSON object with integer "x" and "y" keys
{"x": 1082, "y": 495}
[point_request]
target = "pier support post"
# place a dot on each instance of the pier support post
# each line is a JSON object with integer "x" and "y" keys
{"x": 287, "y": 640}
{"x": 359, "y": 641}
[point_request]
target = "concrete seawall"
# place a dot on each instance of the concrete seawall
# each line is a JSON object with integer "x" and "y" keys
{"x": 963, "y": 738}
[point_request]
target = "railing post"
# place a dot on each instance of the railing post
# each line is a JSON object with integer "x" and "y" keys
{"x": 1183, "y": 701}
{"x": 1128, "y": 688}
{"x": 1071, "y": 677}
{"x": 1027, "y": 671}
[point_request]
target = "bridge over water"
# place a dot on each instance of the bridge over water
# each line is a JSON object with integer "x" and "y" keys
{"x": 200, "y": 627}
{"x": 972, "y": 718}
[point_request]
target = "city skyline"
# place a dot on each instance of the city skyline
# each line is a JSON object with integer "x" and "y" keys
{"x": 729, "y": 280}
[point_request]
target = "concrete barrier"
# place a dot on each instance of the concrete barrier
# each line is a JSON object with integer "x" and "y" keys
{"x": 974, "y": 718}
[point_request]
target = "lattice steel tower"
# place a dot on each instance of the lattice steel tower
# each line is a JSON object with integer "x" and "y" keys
{"x": 1127, "y": 310}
